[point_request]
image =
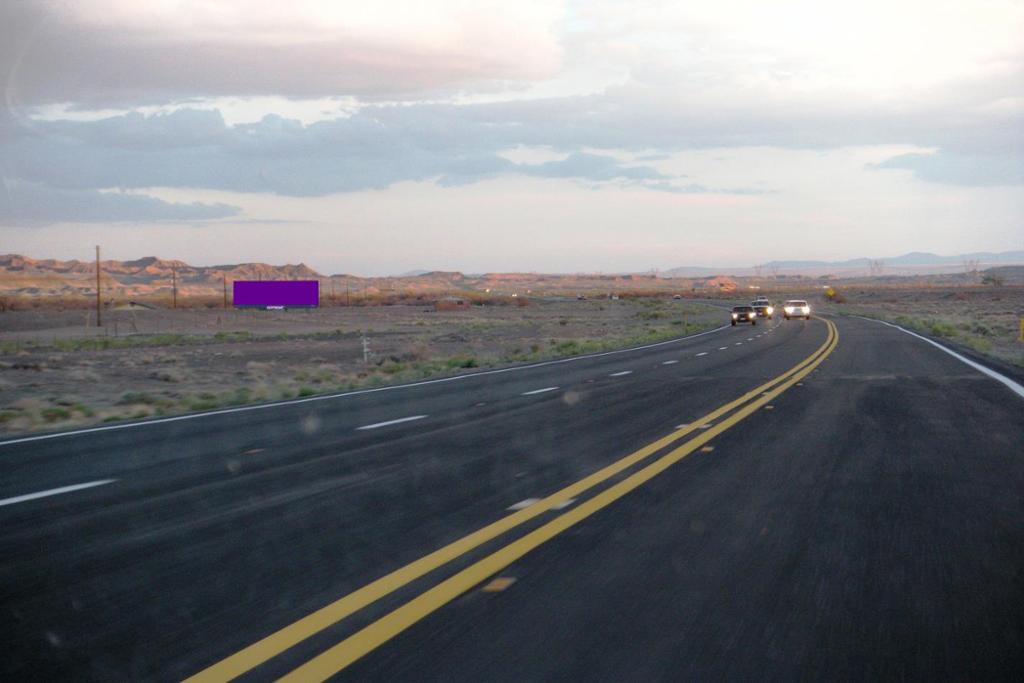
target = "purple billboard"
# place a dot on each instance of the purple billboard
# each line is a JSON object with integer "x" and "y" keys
{"x": 275, "y": 293}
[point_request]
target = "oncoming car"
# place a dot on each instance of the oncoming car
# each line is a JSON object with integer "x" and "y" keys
{"x": 797, "y": 308}
{"x": 763, "y": 308}
{"x": 744, "y": 314}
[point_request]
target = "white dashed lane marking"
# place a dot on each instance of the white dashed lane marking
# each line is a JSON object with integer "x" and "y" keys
{"x": 55, "y": 492}
{"x": 620, "y": 374}
{"x": 378, "y": 425}
{"x": 539, "y": 391}
{"x": 523, "y": 504}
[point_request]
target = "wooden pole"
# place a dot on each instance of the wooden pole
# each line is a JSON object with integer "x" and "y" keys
{"x": 174, "y": 287}
{"x": 98, "y": 304}
{"x": 225, "y": 280}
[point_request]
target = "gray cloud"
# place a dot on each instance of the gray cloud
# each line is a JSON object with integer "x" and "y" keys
{"x": 373, "y": 149}
{"x": 592, "y": 167}
{"x": 22, "y": 202}
{"x": 459, "y": 144}
{"x": 975, "y": 170}
{"x": 48, "y": 54}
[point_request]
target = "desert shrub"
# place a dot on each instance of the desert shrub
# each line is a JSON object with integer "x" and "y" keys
{"x": 204, "y": 401}
{"x": 84, "y": 410}
{"x": 392, "y": 368}
{"x": 136, "y": 397}
{"x": 167, "y": 375}
{"x": 233, "y": 336}
{"x": 980, "y": 344}
{"x": 306, "y": 391}
{"x": 569, "y": 347}
{"x": 239, "y": 396}
{"x": 55, "y": 413}
{"x": 941, "y": 329}
{"x": 462, "y": 362}
{"x": 651, "y": 315}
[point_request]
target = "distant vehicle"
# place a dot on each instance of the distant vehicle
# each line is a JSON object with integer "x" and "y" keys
{"x": 796, "y": 308}
{"x": 743, "y": 314}
{"x": 761, "y": 297}
{"x": 763, "y": 308}
{"x": 580, "y": 297}
{"x": 677, "y": 296}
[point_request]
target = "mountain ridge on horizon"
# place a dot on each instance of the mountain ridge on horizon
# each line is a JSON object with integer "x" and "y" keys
{"x": 153, "y": 270}
{"x": 913, "y": 261}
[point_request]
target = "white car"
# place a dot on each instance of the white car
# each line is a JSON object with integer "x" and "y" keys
{"x": 796, "y": 308}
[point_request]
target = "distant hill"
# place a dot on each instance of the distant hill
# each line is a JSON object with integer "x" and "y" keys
{"x": 913, "y": 263}
{"x": 914, "y": 258}
{"x": 151, "y": 276}
{"x": 148, "y": 275}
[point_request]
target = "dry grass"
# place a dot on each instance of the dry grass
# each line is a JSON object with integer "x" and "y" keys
{"x": 200, "y": 360}
{"x": 985, "y": 319}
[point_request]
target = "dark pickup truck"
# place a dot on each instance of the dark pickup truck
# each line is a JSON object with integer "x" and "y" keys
{"x": 744, "y": 314}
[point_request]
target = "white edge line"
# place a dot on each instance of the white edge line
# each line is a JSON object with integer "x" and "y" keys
{"x": 325, "y": 397}
{"x": 392, "y": 422}
{"x": 1013, "y": 386}
{"x": 538, "y": 391}
{"x": 55, "y": 492}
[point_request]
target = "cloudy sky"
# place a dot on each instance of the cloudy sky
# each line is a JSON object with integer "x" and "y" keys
{"x": 377, "y": 138}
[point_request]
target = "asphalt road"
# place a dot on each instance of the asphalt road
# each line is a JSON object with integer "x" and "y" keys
{"x": 859, "y": 515}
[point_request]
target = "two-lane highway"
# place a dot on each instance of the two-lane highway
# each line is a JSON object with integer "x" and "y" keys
{"x": 785, "y": 500}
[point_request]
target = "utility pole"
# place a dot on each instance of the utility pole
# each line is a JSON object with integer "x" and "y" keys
{"x": 98, "y": 306}
{"x": 348, "y": 301}
{"x": 224, "y": 278}
{"x": 174, "y": 287}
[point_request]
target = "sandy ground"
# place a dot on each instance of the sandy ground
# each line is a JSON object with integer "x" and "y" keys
{"x": 55, "y": 372}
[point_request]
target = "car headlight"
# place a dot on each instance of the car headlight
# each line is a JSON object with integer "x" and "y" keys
{"x": 789, "y": 309}
{"x": 807, "y": 309}
{"x": 771, "y": 310}
{"x": 735, "y": 315}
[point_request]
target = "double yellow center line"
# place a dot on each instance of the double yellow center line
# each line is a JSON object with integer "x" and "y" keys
{"x": 372, "y": 636}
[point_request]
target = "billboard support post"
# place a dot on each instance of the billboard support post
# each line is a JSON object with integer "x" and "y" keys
{"x": 98, "y": 306}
